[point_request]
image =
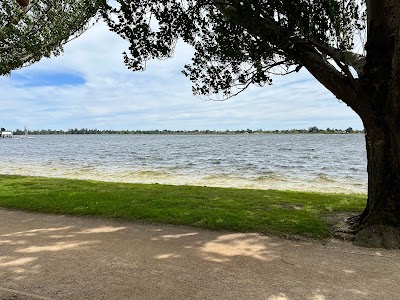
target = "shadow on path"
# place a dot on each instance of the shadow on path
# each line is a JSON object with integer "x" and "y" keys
{"x": 60, "y": 257}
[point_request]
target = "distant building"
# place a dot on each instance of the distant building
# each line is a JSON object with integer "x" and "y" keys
{"x": 6, "y": 134}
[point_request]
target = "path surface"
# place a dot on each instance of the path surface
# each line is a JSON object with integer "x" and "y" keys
{"x": 61, "y": 257}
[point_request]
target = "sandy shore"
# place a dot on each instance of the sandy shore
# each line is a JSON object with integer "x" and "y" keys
{"x": 60, "y": 257}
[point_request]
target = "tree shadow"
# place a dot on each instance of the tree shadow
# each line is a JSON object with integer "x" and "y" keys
{"x": 64, "y": 257}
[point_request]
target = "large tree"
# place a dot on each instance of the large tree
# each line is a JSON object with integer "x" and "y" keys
{"x": 243, "y": 42}
{"x": 30, "y": 30}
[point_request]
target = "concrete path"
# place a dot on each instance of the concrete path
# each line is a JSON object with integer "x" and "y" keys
{"x": 60, "y": 257}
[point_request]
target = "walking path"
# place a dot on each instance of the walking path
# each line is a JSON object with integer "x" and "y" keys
{"x": 61, "y": 257}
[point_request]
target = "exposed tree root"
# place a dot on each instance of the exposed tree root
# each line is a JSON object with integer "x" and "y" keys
{"x": 374, "y": 236}
{"x": 340, "y": 228}
{"x": 378, "y": 236}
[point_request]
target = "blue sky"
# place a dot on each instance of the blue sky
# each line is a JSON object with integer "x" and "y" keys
{"x": 89, "y": 86}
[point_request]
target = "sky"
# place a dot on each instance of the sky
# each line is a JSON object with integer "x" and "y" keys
{"x": 89, "y": 86}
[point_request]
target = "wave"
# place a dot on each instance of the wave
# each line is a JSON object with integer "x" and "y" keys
{"x": 272, "y": 176}
{"x": 325, "y": 178}
{"x": 354, "y": 169}
{"x": 220, "y": 176}
{"x": 289, "y": 166}
{"x": 321, "y": 183}
{"x": 150, "y": 173}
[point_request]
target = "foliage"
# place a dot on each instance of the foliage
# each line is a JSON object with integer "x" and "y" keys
{"x": 280, "y": 212}
{"x": 237, "y": 43}
{"x": 41, "y": 30}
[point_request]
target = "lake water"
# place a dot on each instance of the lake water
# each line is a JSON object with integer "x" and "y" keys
{"x": 316, "y": 162}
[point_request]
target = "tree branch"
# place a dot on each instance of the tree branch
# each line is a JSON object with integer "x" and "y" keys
{"x": 354, "y": 60}
{"x": 302, "y": 51}
{"x": 333, "y": 80}
{"x": 257, "y": 26}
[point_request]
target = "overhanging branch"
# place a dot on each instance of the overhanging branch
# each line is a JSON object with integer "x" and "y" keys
{"x": 333, "y": 79}
{"x": 354, "y": 60}
{"x": 303, "y": 52}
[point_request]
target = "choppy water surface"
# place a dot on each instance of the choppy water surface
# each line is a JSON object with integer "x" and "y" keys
{"x": 330, "y": 163}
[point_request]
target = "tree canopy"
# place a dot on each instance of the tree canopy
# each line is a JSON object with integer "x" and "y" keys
{"x": 238, "y": 43}
{"x": 242, "y": 42}
{"x": 28, "y": 33}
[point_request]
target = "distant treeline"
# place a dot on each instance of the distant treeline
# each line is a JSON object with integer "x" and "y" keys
{"x": 313, "y": 129}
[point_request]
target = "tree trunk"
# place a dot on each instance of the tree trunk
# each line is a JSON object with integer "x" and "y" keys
{"x": 379, "y": 224}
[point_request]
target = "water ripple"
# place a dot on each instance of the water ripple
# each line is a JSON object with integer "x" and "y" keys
{"x": 298, "y": 162}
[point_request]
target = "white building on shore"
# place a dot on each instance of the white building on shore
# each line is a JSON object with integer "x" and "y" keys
{"x": 6, "y": 134}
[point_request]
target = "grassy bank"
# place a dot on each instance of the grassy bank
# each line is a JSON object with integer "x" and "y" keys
{"x": 278, "y": 212}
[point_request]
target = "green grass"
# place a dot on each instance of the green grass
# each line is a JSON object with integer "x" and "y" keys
{"x": 244, "y": 210}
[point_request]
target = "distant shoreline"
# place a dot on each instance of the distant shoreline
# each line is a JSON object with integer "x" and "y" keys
{"x": 311, "y": 130}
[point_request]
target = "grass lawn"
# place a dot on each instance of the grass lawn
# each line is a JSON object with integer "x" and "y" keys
{"x": 245, "y": 210}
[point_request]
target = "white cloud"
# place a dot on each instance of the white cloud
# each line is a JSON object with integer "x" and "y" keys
{"x": 159, "y": 98}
